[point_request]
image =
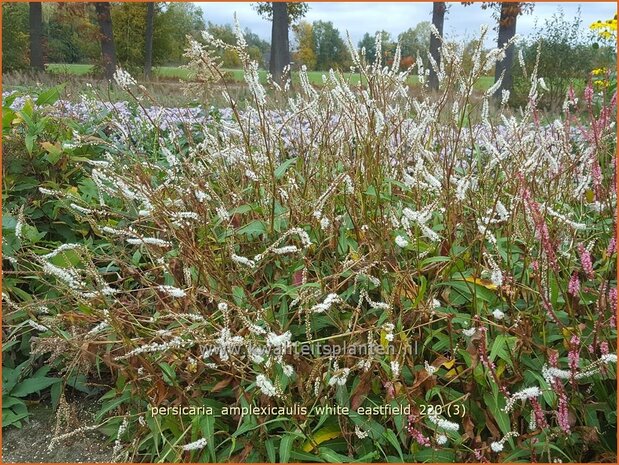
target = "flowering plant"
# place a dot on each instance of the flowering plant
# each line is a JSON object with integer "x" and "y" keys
{"x": 344, "y": 213}
{"x": 606, "y": 31}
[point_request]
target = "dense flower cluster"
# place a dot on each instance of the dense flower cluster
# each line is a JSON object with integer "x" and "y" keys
{"x": 605, "y": 29}
{"x": 345, "y": 214}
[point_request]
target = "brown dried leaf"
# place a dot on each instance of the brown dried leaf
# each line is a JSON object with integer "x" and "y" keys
{"x": 361, "y": 391}
{"x": 222, "y": 384}
{"x": 492, "y": 427}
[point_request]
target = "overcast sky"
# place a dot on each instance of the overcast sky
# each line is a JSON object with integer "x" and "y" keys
{"x": 357, "y": 18}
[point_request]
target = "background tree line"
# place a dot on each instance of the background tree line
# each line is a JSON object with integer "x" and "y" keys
{"x": 72, "y": 32}
{"x": 320, "y": 46}
{"x": 140, "y": 35}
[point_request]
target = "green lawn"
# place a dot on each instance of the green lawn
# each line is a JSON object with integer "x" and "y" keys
{"x": 236, "y": 75}
{"x": 172, "y": 72}
{"x": 84, "y": 69}
{"x": 73, "y": 68}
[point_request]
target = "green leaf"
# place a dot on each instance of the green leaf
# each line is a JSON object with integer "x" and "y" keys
{"x": 437, "y": 259}
{"x": 29, "y": 140}
{"x": 65, "y": 259}
{"x": 501, "y": 346}
{"x": 591, "y": 418}
{"x": 10, "y": 418}
{"x": 8, "y": 101}
{"x": 79, "y": 383}
{"x": 255, "y": 227}
{"x": 31, "y": 234}
{"x": 270, "y": 448}
{"x": 281, "y": 169}
{"x": 26, "y": 183}
{"x": 27, "y": 111}
{"x": 499, "y": 415}
{"x": 323, "y": 434}
{"x": 49, "y": 96}
{"x": 9, "y": 379}
{"x": 241, "y": 209}
{"x": 436, "y": 456}
{"x": 239, "y": 295}
{"x": 332, "y": 456}
{"x": 53, "y": 156}
{"x": 32, "y": 385}
{"x": 169, "y": 375}
{"x": 304, "y": 457}
{"x": 8, "y": 116}
{"x": 248, "y": 424}
{"x": 422, "y": 291}
{"x": 207, "y": 424}
{"x": 393, "y": 440}
{"x": 55, "y": 392}
{"x": 469, "y": 290}
{"x": 517, "y": 454}
{"x": 8, "y": 345}
{"x": 10, "y": 401}
{"x": 112, "y": 404}
{"x": 285, "y": 447}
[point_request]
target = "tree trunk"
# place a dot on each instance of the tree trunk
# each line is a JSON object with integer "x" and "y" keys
{"x": 438, "y": 19}
{"x": 36, "y": 36}
{"x": 507, "y": 30}
{"x": 104, "y": 18}
{"x": 150, "y": 19}
{"x": 280, "y": 49}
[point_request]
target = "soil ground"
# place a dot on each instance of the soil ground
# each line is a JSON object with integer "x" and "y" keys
{"x": 29, "y": 444}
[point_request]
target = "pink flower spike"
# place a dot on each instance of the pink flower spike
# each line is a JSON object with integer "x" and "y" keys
{"x": 573, "y": 287}
{"x": 540, "y": 418}
{"x": 612, "y": 300}
{"x": 563, "y": 413}
{"x": 416, "y": 434}
{"x": 588, "y": 93}
{"x": 553, "y": 358}
{"x": 585, "y": 261}
{"x": 612, "y": 246}
{"x": 604, "y": 348}
{"x": 573, "y": 356}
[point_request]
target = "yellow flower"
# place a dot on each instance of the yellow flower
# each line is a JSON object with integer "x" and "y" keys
{"x": 598, "y": 71}
{"x": 605, "y": 29}
{"x": 600, "y": 83}
{"x": 596, "y": 25}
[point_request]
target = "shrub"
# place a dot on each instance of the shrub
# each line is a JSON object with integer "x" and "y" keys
{"x": 38, "y": 150}
{"x": 563, "y": 56}
{"x": 14, "y": 36}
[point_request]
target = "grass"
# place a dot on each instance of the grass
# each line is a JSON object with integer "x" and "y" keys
{"x": 167, "y": 92}
{"x": 80, "y": 69}
{"x": 235, "y": 75}
{"x": 76, "y": 69}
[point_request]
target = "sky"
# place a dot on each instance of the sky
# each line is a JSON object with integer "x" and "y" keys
{"x": 461, "y": 22}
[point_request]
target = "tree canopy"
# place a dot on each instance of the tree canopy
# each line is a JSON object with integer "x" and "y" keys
{"x": 296, "y": 10}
